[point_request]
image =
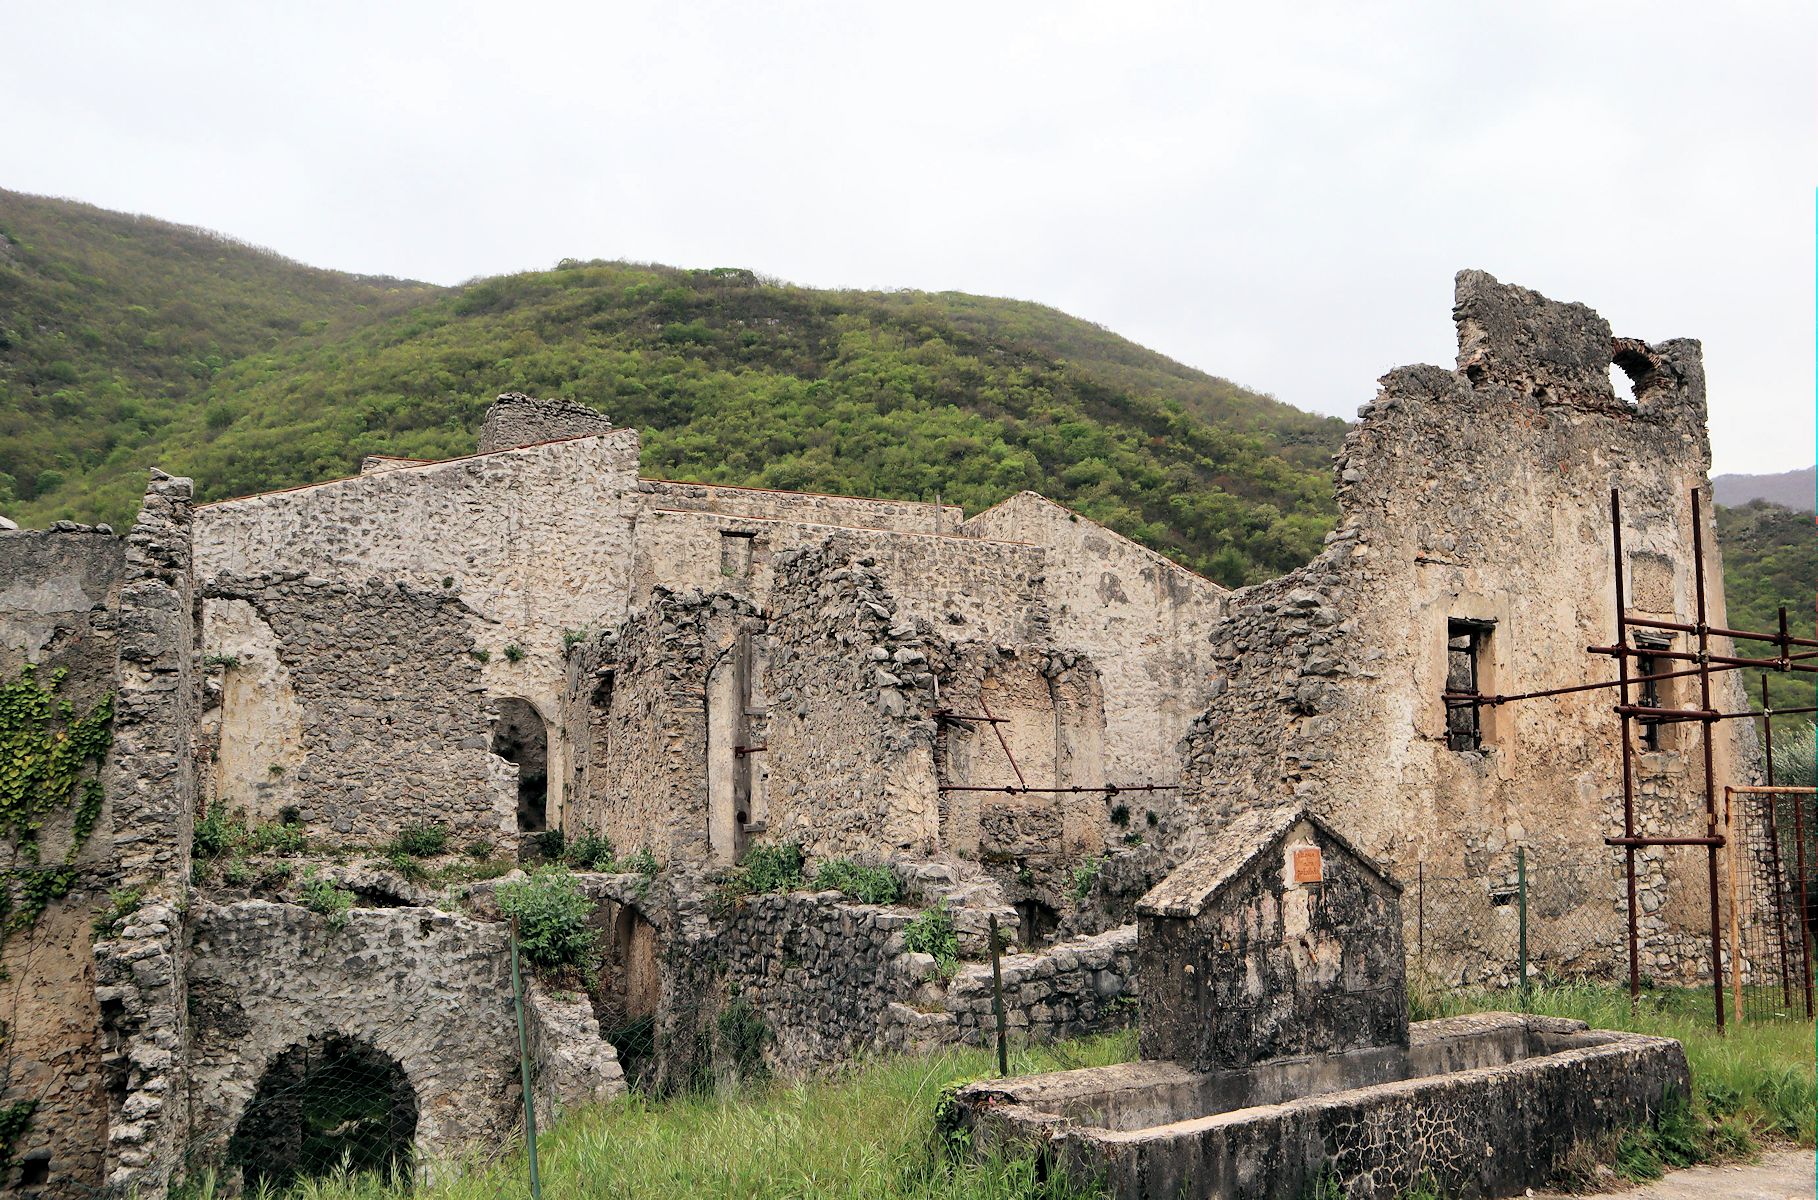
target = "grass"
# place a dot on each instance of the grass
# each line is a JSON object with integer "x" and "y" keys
{"x": 865, "y": 1133}
{"x": 1752, "y": 1085}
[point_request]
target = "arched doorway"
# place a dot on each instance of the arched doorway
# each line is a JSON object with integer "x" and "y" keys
{"x": 322, "y": 1104}
{"x": 521, "y": 737}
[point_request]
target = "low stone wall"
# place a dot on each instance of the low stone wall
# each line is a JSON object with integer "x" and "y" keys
{"x": 1072, "y": 989}
{"x": 571, "y": 1064}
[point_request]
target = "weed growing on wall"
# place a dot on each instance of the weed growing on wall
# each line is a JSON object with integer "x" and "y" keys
{"x": 743, "y": 1035}
{"x": 121, "y": 904}
{"x": 322, "y": 896}
{"x": 868, "y": 885}
{"x": 932, "y": 932}
{"x": 419, "y": 840}
{"x": 1085, "y": 876}
{"x": 552, "y": 914}
{"x": 589, "y": 851}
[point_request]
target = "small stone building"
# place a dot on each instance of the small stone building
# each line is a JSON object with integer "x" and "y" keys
{"x": 1285, "y": 940}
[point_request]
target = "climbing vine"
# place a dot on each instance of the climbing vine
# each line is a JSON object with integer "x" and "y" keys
{"x": 44, "y": 750}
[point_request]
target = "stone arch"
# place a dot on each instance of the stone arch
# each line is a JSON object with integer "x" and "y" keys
{"x": 521, "y": 737}
{"x": 328, "y": 1101}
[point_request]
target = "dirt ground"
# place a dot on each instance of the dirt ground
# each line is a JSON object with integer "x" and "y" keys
{"x": 1777, "y": 1175}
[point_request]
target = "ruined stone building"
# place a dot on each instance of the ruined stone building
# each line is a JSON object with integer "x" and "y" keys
{"x": 1021, "y": 714}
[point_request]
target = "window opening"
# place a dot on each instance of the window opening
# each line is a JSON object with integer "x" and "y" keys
{"x": 1465, "y": 645}
{"x": 521, "y": 738}
{"x": 1650, "y": 693}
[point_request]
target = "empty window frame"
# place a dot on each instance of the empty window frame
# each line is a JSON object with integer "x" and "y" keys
{"x": 1651, "y": 693}
{"x": 1467, "y": 659}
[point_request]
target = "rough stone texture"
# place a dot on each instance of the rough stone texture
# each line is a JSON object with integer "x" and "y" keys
{"x": 1246, "y": 958}
{"x": 536, "y": 541}
{"x": 1144, "y": 621}
{"x": 1483, "y": 494}
{"x": 1484, "y": 1106}
{"x": 429, "y": 989}
{"x": 382, "y": 718}
{"x": 59, "y": 593}
{"x": 1074, "y": 988}
{"x": 150, "y": 787}
{"x": 515, "y": 419}
{"x": 571, "y": 1064}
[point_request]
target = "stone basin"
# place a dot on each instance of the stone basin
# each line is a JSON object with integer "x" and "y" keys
{"x": 1481, "y": 1105}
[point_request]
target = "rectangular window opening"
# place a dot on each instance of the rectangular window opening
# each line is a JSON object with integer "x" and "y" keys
{"x": 1651, "y": 693}
{"x": 1466, "y": 643}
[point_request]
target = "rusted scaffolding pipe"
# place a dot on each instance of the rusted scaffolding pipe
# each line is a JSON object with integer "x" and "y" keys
{"x": 1710, "y": 769}
{"x": 1109, "y": 789}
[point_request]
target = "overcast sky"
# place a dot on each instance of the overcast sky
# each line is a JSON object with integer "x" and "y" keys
{"x": 1279, "y": 194}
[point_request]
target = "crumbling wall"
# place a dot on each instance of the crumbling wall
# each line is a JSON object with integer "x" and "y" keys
{"x": 851, "y": 725}
{"x": 1143, "y": 620}
{"x": 515, "y": 419}
{"x": 1480, "y": 494}
{"x": 537, "y": 541}
{"x": 112, "y": 617}
{"x": 376, "y": 715}
{"x": 429, "y": 989}
{"x": 761, "y": 504}
{"x": 640, "y": 697}
{"x": 1083, "y": 986}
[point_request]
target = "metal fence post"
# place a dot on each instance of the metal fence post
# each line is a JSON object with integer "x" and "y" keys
{"x": 1521, "y": 894}
{"x": 1420, "y": 911}
{"x": 530, "y": 1106}
{"x": 997, "y": 1003}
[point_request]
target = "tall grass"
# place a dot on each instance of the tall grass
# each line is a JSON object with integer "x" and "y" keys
{"x": 864, "y": 1134}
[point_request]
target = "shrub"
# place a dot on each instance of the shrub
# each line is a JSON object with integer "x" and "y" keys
{"x": 589, "y": 851}
{"x": 932, "y": 932}
{"x": 869, "y": 885}
{"x": 1085, "y": 876}
{"x": 420, "y": 840}
{"x": 279, "y": 839}
{"x": 218, "y": 832}
{"x": 514, "y": 653}
{"x": 552, "y": 915}
{"x": 322, "y": 896}
{"x": 770, "y": 868}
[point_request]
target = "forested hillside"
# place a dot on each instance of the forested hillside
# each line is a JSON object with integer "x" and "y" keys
{"x": 1770, "y": 558}
{"x": 130, "y": 343}
{"x": 127, "y": 342}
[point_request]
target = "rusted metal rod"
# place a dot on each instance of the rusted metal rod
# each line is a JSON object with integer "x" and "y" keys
{"x": 1628, "y": 754}
{"x": 1769, "y": 790}
{"x": 1710, "y": 768}
{"x": 1776, "y": 876}
{"x": 1667, "y": 714}
{"x": 1000, "y": 739}
{"x": 1781, "y": 639}
{"x": 1109, "y": 789}
{"x": 1796, "y": 663}
{"x": 1763, "y": 712}
{"x": 942, "y": 714}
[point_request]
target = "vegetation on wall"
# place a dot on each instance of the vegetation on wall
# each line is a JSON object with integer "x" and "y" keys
{"x": 48, "y": 755}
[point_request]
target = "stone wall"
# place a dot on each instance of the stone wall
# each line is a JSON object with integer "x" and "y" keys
{"x": 1144, "y": 621}
{"x": 850, "y": 512}
{"x": 364, "y": 708}
{"x": 515, "y": 419}
{"x": 113, "y": 617}
{"x": 639, "y": 698}
{"x": 1283, "y": 943}
{"x": 430, "y": 990}
{"x": 1481, "y": 494}
{"x": 1075, "y": 988}
{"x": 536, "y": 541}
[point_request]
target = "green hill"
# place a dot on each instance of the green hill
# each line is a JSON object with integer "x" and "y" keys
{"x": 127, "y": 342}
{"x": 1770, "y": 559}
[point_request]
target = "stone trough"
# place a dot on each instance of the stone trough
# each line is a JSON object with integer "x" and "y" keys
{"x": 1278, "y": 1060}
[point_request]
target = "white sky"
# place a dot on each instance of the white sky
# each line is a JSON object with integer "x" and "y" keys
{"x": 1274, "y": 193}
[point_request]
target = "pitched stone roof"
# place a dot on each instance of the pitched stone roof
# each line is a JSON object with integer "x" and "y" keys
{"x": 1193, "y": 885}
